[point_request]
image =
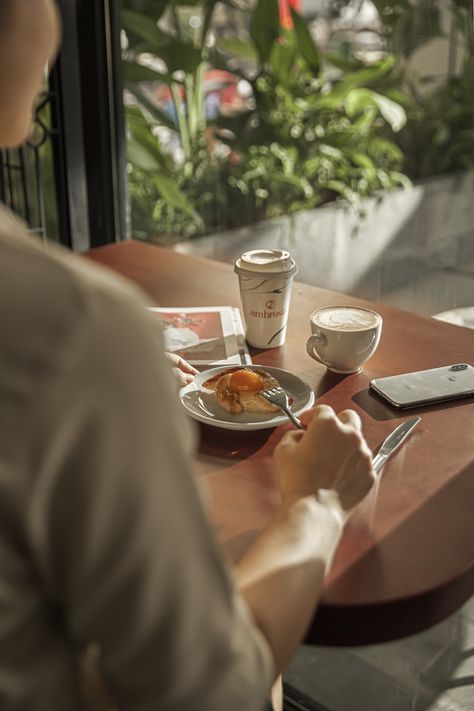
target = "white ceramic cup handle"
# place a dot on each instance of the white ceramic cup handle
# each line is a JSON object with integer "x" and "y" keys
{"x": 310, "y": 343}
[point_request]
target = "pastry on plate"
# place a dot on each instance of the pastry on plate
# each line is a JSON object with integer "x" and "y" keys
{"x": 238, "y": 390}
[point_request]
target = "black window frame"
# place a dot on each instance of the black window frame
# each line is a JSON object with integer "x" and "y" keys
{"x": 86, "y": 131}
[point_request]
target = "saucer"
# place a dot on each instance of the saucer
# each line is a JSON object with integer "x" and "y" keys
{"x": 200, "y": 403}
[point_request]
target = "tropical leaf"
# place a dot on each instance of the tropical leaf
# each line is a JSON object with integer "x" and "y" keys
{"x": 359, "y": 78}
{"x": 363, "y": 160}
{"x": 141, "y": 135}
{"x": 141, "y": 157}
{"x": 345, "y": 191}
{"x": 135, "y": 72}
{"x": 294, "y": 181}
{"x": 180, "y": 56}
{"x": 331, "y": 151}
{"x": 381, "y": 150}
{"x": 143, "y": 6}
{"x": 363, "y": 124}
{"x": 265, "y": 27}
{"x": 304, "y": 41}
{"x": 156, "y": 113}
{"x": 173, "y": 195}
{"x": 237, "y": 48}
{"x": 218, "y": 61}
{"x": 341, "y": 62}
{"x": 281, "y": 61}
{"x": 358, "y": 100}
{"x": 400, "y": 179}
{"x": 146, "y": 27}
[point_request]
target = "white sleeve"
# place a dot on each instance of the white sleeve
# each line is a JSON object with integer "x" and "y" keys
{"x": 122, "y": 541}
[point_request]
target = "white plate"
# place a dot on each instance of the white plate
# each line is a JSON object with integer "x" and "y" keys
{"x": 200, "y": 403}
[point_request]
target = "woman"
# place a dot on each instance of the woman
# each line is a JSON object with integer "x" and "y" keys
{"x": 103, "y": 536}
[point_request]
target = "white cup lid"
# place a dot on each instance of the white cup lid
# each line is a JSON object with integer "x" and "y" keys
{"x": 266, "y": 260}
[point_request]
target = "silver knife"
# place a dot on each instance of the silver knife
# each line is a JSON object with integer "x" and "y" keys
{"x": 393, "y": 441}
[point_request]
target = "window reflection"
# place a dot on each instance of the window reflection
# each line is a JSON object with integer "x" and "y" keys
{"x": 343, "y": 131}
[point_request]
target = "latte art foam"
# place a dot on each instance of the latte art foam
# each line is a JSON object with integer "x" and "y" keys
{"x": 346, "y": 318}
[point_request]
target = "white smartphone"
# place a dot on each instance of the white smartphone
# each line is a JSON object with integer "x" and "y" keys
{"x": 424, "y": 387}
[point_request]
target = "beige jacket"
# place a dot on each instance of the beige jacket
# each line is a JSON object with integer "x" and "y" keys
{"x": 103, "y": 536}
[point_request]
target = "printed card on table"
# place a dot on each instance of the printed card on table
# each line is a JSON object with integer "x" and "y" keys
{"x": 204, "y": 336}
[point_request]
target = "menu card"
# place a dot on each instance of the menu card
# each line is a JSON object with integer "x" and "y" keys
{"x": 205, "y": 336}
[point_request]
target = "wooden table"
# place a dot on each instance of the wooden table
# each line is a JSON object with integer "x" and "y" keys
{"x": 411, "y": 563}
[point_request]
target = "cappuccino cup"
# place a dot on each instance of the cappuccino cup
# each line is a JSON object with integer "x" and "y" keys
{"x": 265, "y": 280}
{"x": 344, "y": 337}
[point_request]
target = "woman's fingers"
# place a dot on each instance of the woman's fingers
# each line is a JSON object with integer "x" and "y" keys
{"x": 182, "y": 378}
{"x": 350, "y": 417}
{"x": 317, "y": 413}
{"x": 184, "y": 372}
{"x": 185, "y": 366}
{"x": 291, "y": 438}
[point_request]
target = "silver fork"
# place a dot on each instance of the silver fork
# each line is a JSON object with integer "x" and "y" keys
{"x": 279, "y": 397}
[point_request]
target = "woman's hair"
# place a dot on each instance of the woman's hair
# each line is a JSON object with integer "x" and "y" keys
{"x": 8, "y": 16}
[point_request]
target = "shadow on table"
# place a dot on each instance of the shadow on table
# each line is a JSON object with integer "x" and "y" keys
{"x": 231, "y": 444}
{"x": 374, "y": 406}
{"x": 328, "y": 382}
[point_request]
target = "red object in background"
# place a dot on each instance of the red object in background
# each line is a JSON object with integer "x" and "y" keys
{"x": 216, "y": 81}
{"x": 224, "y": 83}
{"x": 285, "y": 15}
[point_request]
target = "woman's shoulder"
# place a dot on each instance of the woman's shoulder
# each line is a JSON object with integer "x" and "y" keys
{"x": 45, "y": 290}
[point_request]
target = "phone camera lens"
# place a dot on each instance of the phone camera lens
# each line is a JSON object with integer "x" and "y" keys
{"x": 461, "y": 366}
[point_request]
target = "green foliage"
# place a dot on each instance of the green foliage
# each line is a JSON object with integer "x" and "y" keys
{"x": 265, "y": 27}
{"x": 409, "y": 23}
{"x": 304, "y": 140}
{"x": 439, "y": 134}
{"x": 305, "y": 42}
{"x": 145, "y": 28}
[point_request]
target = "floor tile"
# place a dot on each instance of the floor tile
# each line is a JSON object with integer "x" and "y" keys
{"x": 343, "y": 682}
{"x": 431, "y": 671}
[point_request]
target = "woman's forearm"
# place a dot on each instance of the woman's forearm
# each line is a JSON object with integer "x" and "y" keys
{"x": 281, "y": 575}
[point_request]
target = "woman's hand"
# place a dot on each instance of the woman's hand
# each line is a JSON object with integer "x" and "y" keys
{"x": 330, "y": 460}
{"x": 184, "y": 372}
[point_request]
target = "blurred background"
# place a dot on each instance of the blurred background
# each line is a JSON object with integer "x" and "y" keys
{"x": 342, "y": 130}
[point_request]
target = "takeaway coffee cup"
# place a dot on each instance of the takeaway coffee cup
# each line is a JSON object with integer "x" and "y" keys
{"x": 265, "y": 279}
{"x": 344, "y": 337}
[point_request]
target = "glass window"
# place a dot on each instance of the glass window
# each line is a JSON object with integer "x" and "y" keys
{"x": 27, "y": 181}
{"x": 344, "y": 130}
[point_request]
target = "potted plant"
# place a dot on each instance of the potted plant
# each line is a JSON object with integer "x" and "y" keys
{"x": 300, "y": 141}
{"x": 318, "y": 126}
